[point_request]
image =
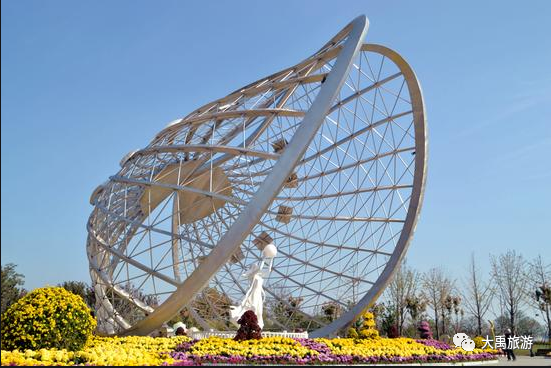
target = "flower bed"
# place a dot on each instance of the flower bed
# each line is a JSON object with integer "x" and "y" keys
{"x": 272, "y": 350}
{"x": 102, "y": 351}
{"x": 435, "y": 343}
{"x": 322, "y": 351}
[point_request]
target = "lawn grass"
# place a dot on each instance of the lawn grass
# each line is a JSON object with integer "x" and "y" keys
{"x": 535, "y": 348}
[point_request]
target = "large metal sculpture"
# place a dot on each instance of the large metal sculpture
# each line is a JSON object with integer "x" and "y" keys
{"x": 325, "y": 159}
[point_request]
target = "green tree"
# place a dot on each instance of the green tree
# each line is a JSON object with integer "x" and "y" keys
{"x": 11, "y": 280}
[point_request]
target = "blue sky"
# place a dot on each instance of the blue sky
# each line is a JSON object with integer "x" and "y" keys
{"x": 83, "y": 83}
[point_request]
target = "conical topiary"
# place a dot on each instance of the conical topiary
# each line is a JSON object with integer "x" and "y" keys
{"x": 368, "y": 330}
{"x": 249, "y": 327}
{"x": 424, "y": 330}
{"x": 364, "y": 328}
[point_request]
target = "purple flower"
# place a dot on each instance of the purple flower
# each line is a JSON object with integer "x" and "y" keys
{"x": 435, "y": 343}
{"x": 183, "y": 356}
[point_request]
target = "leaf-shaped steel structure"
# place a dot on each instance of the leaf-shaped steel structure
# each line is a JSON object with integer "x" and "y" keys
{"x": 327, "y": 159}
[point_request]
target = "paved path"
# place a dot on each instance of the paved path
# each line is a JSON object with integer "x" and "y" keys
{"x": 524, "y": 361}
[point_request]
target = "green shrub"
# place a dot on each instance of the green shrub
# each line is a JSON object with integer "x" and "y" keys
{"x": 50, "y": 317}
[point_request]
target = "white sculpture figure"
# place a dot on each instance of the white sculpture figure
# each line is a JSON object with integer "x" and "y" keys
{"x": 254, "y": 297}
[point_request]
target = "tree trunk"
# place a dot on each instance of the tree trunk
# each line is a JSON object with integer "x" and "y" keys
{"x": 548, "y": 323}
{"x": 436, "y": 324}
{"x": 512, "y": 314}
{"x": 443, "y": 322}
{"x": 478, "y": 316}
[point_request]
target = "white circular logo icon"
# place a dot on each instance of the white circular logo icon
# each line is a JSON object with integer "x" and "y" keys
{"x": 468, "y": 345}
{"x": 458, "y": 339}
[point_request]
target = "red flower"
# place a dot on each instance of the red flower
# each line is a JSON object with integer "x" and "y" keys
{"x": 249, "y": 327}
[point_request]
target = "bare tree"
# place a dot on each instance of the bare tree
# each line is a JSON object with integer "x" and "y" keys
{"x": 402, "y": 288}
{"x": 436, "y": 288}
{"x": 539, "y": 274}
{"x": 214, "y": 307}
{"x": 508, "y": 272}
{"x": 126, "y": 308}
{"x": 477, "y": 294}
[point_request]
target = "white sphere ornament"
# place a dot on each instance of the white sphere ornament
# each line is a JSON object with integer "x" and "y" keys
{"x": 270, "y": 251}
